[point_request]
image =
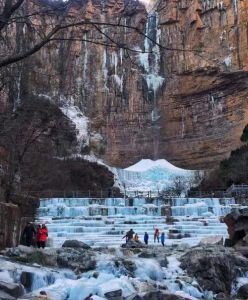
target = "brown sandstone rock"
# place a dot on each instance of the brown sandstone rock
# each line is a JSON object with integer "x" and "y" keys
{"x": 202, "y": 101}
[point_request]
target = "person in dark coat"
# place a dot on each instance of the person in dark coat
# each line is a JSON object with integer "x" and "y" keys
{"x": 129, "y": 235}
{"x": 146, "y": 238}
{"x": 162, "y": 238}
{"x": 28, "y": 234}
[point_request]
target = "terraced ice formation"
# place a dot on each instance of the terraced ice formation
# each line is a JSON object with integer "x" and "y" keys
{"x": 103, "y": 222}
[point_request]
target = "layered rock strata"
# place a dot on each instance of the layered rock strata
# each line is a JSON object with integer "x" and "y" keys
{"x": 185, "y": 100}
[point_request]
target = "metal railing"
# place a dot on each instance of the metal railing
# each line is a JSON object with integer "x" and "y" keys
{"x": 114, "y": 193}
{"x": 238, "y": 188}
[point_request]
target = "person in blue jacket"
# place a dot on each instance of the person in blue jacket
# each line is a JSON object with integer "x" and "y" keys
{"x": 162, "y": 238}
{"x": 146, "y": 238}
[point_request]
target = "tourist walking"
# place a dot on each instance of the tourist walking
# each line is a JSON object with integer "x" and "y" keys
{"x": 156, "y": 234}
{"x": 28, "y": 234}
{"x": 43, "y": 236}
{"x": 129, "y": 235}
{"x": 162, "y": 238}
{"x": 146, "y": 238}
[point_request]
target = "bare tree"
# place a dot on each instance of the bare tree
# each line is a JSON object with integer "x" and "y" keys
{"x": 26, "y": 137}
{"x": 30, "y": 16}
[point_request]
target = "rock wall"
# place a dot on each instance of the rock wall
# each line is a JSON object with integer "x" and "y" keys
{"x": 185, "y": 101}
{"x": 13, "y": 217}
{"x": 9, "y": 230}
{"x": 204, "y": 103}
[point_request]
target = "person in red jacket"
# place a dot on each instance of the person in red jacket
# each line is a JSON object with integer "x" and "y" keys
{"x": 38, "y": 235}
{"x": 43, "y": 236}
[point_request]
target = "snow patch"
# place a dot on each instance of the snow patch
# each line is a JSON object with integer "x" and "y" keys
{"x": 80, "y": 121}
{"x": 148, "y": 164}
{"x": 228, "y": 61}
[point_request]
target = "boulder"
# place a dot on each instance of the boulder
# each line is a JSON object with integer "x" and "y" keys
{"x": 129, "y": 265}
{"x": 237, "y": 224}
{"x": 26, "y": 280}
{"x": 242, "y": 250}
{"x": 75, "y": 244}
{"x": 5, "y": 296}
{"x": 212, "y": 240}
{"x": 147, "y": 254}
{"x": 222, "y": 296}
{"x": 159, "y": 295}
{"x": 133, "y": 244}
{"x": 214, "y": 267}
{"x": 243, "y": 292}
{"x": 13, "y": 289}
{"x": 79, "y": 260}
{"x": 114, "y": 295}
{"x": 76, "y": 259}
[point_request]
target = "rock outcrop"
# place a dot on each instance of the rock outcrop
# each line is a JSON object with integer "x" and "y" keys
{"x": 237, "y": 223}
{"x": 12, "y": 289}
{"x": 77, "y": 259}
{"x": 175, "y": 103}
{"x": 204, "y": 98}
{"x": 13, "y": 218}
{"x": 75, "y": 244}
{"x": 243, "y": 292}
{"x": 215, "y": 268}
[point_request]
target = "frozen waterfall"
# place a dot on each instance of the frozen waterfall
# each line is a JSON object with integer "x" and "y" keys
{"x": 103, "y": 222}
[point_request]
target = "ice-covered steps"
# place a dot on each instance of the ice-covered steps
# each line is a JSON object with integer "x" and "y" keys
{"x": 103, "y": 222}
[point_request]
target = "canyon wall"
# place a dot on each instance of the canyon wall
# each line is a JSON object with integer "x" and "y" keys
{"x": 13, "y": 218}
{"x": 185, "y": 100}
{"x": 204, "y": 104}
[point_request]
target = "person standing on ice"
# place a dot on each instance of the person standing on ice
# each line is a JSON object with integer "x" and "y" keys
{"x": 28, "y": 234}
{"x": 38, "y": 235}
{"x": 136, "y": 237}
{"x": 146, "y": 238}
{"x": 156, "y": 234}
{"x": 162, "y": 238}
{"x": 129, "y": 235}
{"x": 43, "y": 236}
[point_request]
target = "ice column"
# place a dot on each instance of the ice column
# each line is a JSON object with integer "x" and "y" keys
{"x": 150, "y": 59}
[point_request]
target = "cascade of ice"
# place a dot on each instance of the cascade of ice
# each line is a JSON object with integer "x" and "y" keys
{"x": 85, "y": 57}
{"x": 18, "y": 97}
{"x": 183, "y": 122}
{"x": 235, "y": 4}
{"x": 104, "y": 68}
{"x": 148, "y": 175}
{"x": 150, "y": 60}
{"x": 201, "y": 207}
{"x": 108, "y": 219}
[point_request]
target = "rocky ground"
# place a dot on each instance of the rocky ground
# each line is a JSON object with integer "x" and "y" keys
{"x": 134, "y": 272}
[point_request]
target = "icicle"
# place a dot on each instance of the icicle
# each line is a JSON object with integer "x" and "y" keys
{"x": 150, "y": 59}
{"x": 183, "y": 122}
{"x": 235, "y": 4}
{"x": 85, "y": 56}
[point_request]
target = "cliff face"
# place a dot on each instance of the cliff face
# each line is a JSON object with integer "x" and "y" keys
{"x": 188, "y": 104}
{"x": 204, "y": 103}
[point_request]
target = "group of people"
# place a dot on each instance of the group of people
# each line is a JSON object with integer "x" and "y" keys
{"x": 131, "y": 235}
{"x": 35, "y": 236}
